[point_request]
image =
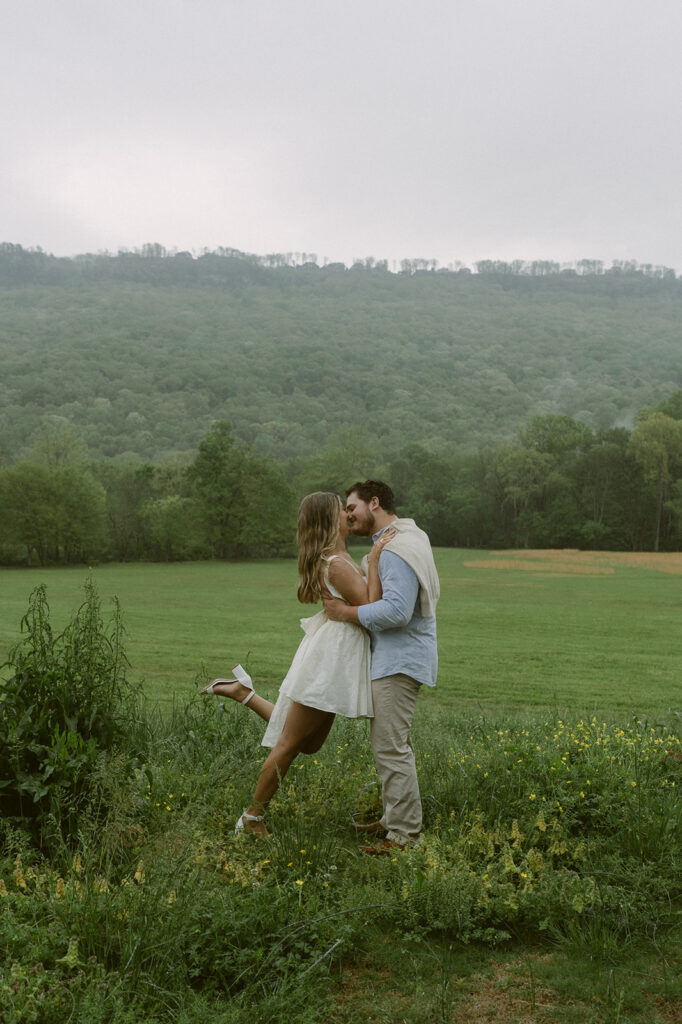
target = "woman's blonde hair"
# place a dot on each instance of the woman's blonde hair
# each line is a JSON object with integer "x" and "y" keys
{"x": 318, "y": 532}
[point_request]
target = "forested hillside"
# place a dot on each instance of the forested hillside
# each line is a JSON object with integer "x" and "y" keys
{"x": 143, "y": 352}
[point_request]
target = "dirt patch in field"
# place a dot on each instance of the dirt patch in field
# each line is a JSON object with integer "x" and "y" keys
{"x": 543, "y": 568}
{"x": 668, "y": 1011}
{"x": 572, "y": 561}
{"x": 516, "y": 990}
{"x": 507, "y": 995}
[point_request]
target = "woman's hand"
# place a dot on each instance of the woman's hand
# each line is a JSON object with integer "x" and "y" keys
{"x": 377, "y": 548}
{"x": 373, "y": 579}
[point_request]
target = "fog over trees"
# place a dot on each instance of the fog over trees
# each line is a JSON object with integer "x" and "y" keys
{"x": 171, "y": 405}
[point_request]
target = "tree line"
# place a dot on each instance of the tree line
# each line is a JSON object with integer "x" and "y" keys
{"x": 22, "y": 266}
{"x": 559, "y": 484}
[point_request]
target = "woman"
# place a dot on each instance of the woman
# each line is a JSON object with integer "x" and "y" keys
{"x": 330, "y": 671}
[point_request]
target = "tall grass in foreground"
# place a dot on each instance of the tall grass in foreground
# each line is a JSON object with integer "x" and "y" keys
{"x": 148, "y": 908}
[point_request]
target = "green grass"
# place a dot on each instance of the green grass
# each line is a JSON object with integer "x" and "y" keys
{"x": 507, "y": 637}
{"x": 546, "y": 886}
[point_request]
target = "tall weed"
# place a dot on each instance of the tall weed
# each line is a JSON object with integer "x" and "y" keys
{"x": 65, "y": 709}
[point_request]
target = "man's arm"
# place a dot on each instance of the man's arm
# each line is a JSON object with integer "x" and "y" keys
{"x": 396, "y": 607}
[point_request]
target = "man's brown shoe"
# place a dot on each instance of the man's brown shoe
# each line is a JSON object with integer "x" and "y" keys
{"x": 386, "y": 848}
{"x": 374, "y": 828}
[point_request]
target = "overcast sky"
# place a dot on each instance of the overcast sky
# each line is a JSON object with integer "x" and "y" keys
{"x": 445, "y": 129}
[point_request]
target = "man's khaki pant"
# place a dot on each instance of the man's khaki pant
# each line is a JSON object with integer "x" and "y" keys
{"x": 394, "y": 702}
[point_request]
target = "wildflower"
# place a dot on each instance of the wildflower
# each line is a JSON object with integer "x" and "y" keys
{"x": 633, "y": 783}
{"x": 532, "y": 796}
{"x": 3, "y": 888}
{"x": 139, "y": 874}
{"x": 299, "y": 882}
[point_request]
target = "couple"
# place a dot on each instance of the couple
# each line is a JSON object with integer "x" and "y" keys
{"x": 334, "y": 671}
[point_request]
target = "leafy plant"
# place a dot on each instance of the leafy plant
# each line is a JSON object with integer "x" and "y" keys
{"x": 67, "y": 706}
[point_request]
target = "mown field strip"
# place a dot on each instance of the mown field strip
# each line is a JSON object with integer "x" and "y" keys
{"x": 522, "y": 629}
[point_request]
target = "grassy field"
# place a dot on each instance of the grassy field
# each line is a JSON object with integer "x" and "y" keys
{"x": 587, "y": 631}
{"x": 547, "y": 884}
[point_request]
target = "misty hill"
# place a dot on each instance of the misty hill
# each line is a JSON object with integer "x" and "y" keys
{"x": 143, "y": 351}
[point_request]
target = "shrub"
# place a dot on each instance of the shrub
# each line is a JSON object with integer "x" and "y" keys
{"x": 66, "y": 708}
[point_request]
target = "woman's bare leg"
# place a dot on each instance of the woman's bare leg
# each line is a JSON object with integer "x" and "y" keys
{"x": 303, "y": 726}
{"x": 237, "y": 691}
{"x": 315, "y": 742}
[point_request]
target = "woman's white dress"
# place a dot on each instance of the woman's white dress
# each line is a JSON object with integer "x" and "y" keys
{"x": 330, "y": 670}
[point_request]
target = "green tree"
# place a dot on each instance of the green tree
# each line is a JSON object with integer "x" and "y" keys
{"x": 216, "y": 475}
{"x": 80, "y": 521}
{"x": 672, "y": 406}
{"x": 347, "y": 456}
{"x": 558, "y": 436}
{"x": 56, "y": 442}
{"x": 521, "y": 475}
{"x": 245, "y": 503}
{"x": 28, "y": 507}
{"x": 174, "y": 528}
{"x": 128, "y": 487}
{"x": 423, "y": 484}
{"x": 656, "y": 444}
{"x": 57, "y": 514}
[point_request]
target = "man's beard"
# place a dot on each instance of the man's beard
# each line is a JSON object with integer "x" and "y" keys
{"x": 366, "y": 528}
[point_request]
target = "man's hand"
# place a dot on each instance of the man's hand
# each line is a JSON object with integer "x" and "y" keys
{"x": 339, "y": 611}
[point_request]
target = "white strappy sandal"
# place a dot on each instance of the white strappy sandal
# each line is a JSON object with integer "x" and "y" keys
{"x": 240, "y": 676}
{"x": 244, "y": 816}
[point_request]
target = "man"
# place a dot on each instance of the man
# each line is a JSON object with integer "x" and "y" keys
{"x": 404, "y": 653}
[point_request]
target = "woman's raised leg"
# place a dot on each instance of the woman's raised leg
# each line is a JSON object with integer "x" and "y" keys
{"x": 239, "y": 692}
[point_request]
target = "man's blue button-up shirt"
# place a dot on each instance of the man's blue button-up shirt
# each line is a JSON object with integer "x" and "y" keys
{"x": 402, "y": 640}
